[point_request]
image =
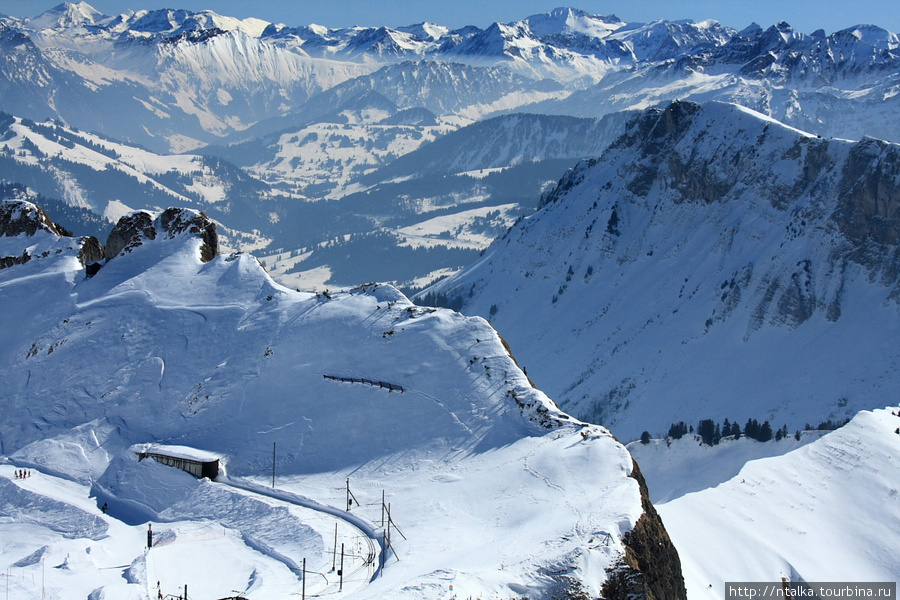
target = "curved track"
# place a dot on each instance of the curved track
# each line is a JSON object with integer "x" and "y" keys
{"x": 362, "y": 544}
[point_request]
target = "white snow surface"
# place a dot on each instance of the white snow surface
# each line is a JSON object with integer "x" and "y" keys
{"x": 492, "y": 490}
{"x": 824, "y": 511}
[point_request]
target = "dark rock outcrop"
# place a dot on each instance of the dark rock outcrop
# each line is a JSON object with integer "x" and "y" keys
{"x": 651, "y": 568}
{"x": 19, "y": 216}
{"x": 138, "y": 227}
{"x": 11, "y": 261}
{"x": 129, "y": 233}
{"x": 176, "y": 221}
{"x": 91, "y": 250}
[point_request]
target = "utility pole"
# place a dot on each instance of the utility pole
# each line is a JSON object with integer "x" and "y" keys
{"x": 350, "y": 497}
{"x": 303, "y": 593}
{"x": 341, "y": 572}
{"x": 334, "y": 553}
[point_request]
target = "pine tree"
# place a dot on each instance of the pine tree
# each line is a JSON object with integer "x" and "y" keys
{"x": 677, "y": 430}
{"x": 751, "y": 429}
{"x": 645, "y": 437}
{"x": 706, "y": 429}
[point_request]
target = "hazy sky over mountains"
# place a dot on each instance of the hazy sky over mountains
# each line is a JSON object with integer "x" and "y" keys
{"x": 805, "y": 15}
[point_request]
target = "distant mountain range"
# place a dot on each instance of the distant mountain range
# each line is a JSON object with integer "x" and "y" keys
{"x": 177, "y": 79}
{"x": 302, "y": 114}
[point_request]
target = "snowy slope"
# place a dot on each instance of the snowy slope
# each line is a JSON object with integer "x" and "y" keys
{"x": 824, "y": 512}
{"x": 674, "y": 468}
{"x": 496, "y": 492}
{"x": 711, "y": 264}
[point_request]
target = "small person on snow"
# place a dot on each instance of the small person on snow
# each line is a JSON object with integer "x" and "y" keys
{"x": 104, "y": 507}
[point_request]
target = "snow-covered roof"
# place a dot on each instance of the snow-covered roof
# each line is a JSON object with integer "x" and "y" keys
{"x": 184, "y": 452}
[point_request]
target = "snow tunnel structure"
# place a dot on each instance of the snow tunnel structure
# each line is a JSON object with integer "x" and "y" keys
{"x": 196, "y": 462}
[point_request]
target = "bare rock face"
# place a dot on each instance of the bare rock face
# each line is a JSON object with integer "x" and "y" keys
{"x": 20, "y": 216}
{"x": 91, "y": 250}
{"x": 651, "y": 569}
{"x": 129, "y": 233}
{"x": 176, "y": 221}
{"x": 869, "y": 200}
{"x": 868, "y": 209}
{"x": 139, "y": 227}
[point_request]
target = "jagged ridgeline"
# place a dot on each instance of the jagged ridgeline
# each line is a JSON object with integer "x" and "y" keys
{"x": 711, "y": 263}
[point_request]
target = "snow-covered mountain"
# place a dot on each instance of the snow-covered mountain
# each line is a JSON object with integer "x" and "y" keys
{"x": 179, "y": 79}
{"x": 491, "y": 489}
{"x": 808, "y": 81}
{"x": 712, "y": 263}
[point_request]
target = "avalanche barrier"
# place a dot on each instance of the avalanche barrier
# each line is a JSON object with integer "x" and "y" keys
{"x": 391, "y": 387}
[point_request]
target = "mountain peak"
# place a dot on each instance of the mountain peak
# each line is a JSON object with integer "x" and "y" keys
{"x": 426, "y": 31}
{"x": 572, "y": 21}
{"x": 68, "y": 14}
{"x": 778, "y": 230}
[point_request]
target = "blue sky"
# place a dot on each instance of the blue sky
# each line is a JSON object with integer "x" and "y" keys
{"x": 804, "y": 15}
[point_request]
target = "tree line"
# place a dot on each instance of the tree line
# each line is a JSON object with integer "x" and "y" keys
{"x": 711, "y": 433}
